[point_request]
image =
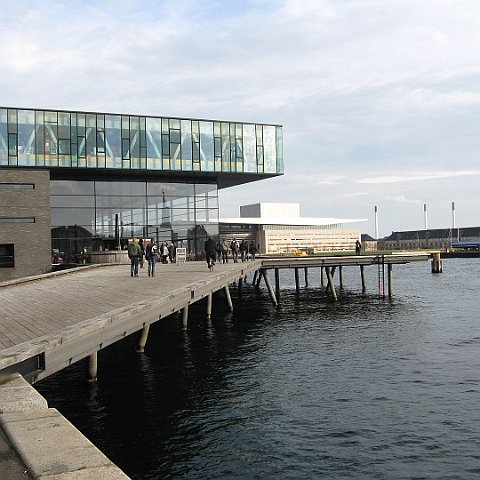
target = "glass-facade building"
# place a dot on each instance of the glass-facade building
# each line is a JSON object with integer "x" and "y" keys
{"x": 114, "y": 176}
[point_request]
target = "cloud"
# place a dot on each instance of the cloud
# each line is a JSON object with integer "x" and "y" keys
{"x": 417, "y": 176}
{"x": 402, "y": 199}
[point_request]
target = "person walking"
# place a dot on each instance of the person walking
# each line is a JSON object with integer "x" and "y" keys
{"x": 234, "y": 248}
{"x": 358, "y": 247}
{"x": 243, "y": 249}
{"x": 134, "y": 254}
{"x": 253, "y": 250}
{"x": 210, "y": 252}
{"x": 151, "y": 253}
{"x": 142, "y": 256}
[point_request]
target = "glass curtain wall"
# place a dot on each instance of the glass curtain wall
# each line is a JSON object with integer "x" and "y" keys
{"x": 96, "y": 140}
{"x": 101, "y": 215}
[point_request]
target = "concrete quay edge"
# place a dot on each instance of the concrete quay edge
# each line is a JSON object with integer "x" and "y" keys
{"x": 49, "y": 446}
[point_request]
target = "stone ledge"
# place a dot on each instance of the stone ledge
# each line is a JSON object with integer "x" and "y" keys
{"x": 46, "y": 442}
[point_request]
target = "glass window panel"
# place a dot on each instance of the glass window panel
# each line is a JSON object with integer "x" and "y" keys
{"x": 165, "y": 145}
{"x": 120, "y": 188}
{"x": 186, "y": 145}
{"x": 125, "y": 148}
{"x": 100, "y": 141}
{"x": 12, "y": 144}
{"x": 196, "y": 151}
{"x": 170, "y": 189}
{"x": 174, "y": 136}
{"x": 72, "y": 216}
{"x": 119, "y": 203}
{"x": 50, "y": 117}
{"x": 71, "y": 187}
{"x": 113, "y": 142}
{"x": 64, "y": 147}
{"x": 72, "y": 201}
{"x": 249, "y": 148}
{"x": 175, "y": 156}
{"x": 280, "y": 166}
{"x": 206, "y": 147}
{"x": 154, "y": 143}
{"x": 3, "y": 137}
{"x": 269, "y": 149}
{"x": 26, "y": 137}
{"x": 165, "y": 127}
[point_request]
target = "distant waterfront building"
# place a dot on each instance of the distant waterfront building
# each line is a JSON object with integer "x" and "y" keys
{"x": 439, "y": 238}
{"x": 278, "y": 228}
{"x": 73, "y": 183}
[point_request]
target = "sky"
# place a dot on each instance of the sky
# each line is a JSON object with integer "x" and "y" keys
{"x": 379, "y": 100}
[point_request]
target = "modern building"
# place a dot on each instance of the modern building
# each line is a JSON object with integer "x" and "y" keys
{"x": 73, "y": 183}
{"x": 278, "y": 228}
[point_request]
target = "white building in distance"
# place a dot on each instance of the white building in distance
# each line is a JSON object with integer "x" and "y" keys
{"x": 278, "y": 228}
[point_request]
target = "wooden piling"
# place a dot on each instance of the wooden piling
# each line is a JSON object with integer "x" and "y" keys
{"x": 306, "y": 276}
{"x": 322, "y": 277}
{"x": 340, "y": 274}
{"x": 390, "y": 280}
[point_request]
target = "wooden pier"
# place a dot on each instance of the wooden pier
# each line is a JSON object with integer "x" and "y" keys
{"x": 51, "y": 321}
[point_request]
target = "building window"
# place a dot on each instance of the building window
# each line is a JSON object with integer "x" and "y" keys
{"x": 7, "y": 257}
{"x": 17, "y": 186}
{"x": 17, "y": 219}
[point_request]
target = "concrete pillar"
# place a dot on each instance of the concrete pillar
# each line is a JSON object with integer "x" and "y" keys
{"x": 390, "y": 280}
{"x": 143, "y": 339}
{"x": 269, "y": 286}
{"x": 92, "y": 367}
{"x": 277, "y": 283}
{"x": 209, "y": 305}
{"x": 229, "y": 298}
{"x": 185, "y": 316}
{"x": 331, "y": 286}
{"x": 362, "y": 275}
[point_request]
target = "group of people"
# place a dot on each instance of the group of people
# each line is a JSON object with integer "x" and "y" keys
{"x": 220, "y": 251}
{"x": 138, "y": 251}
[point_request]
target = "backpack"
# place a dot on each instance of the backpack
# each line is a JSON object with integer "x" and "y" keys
{"x": 233, "y": 245}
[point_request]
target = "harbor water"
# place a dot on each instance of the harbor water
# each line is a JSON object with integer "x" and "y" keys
{"x": 365, "y": 388}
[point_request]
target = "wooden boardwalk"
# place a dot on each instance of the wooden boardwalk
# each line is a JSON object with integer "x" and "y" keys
{"x": 51, "y": 321}
{"x": 57, "y": 319}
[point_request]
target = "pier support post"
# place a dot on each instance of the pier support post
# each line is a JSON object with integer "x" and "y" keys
{"x": 436, "y": 263}
{"x": 362, "y": 275}
{"x": 277, "y": 283}
{"x": 331, "y": 286}
{"x": 209, "y": 305}
{"x": 185, "y": 316}
{"x": 92, "y": 368}
{"x": 340, "y": 273}
{"x": 269, "y": 286}
{"x": 142, "y": 341}
{"x": 297, "y": 281}
{"x": 229, "y": 298}
{"x": 390, "y": 280}
{"x": 322, "y": 277}
{"x": 306, "y": 276}
{"x": 255, "y": 275}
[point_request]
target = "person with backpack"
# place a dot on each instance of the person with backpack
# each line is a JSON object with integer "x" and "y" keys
{"x": 210, "y": 252}
{"x": 151, "y": 254}
{"x": 234, "y": 247}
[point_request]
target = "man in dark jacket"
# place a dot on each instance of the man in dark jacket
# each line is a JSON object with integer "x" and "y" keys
{"x": 210, "y": 252}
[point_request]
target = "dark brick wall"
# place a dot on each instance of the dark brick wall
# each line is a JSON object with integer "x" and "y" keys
{"x": 31, "y": 240}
